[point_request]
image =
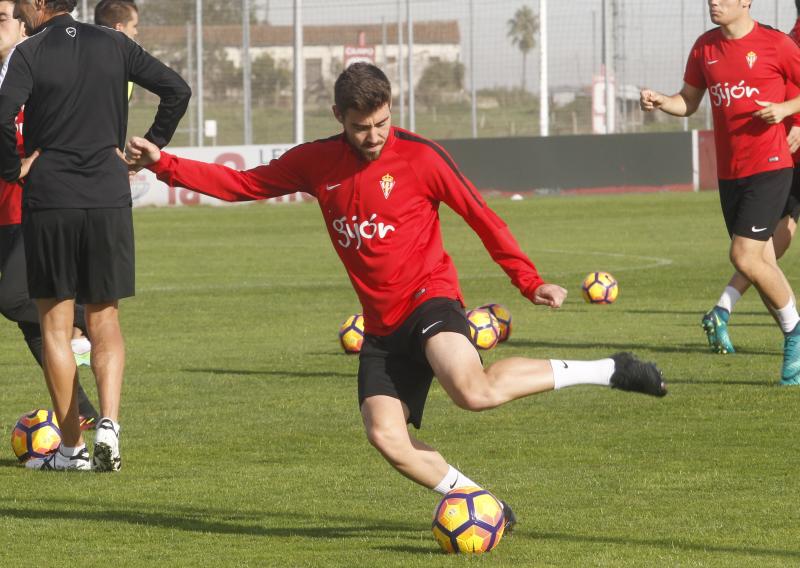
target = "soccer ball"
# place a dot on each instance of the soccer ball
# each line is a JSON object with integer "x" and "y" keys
{"x": 35, "y": 435}
{"x": 503, "y": 318}
{"x": 351, "y": 334}
{"x": 468, "y": 520}
{"x": 484, "y": 330}
{"x": 600, "y": 288}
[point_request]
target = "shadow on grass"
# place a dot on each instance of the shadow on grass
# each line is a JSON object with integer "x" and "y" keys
{"x": 664, "y": 543}
{"x": 696, "y": 347}
{"x": 723, "y": 382}
{"x": 194, "y": 522}
{"x": 294, "y": 373}
{"x": 697, "y": 313}
{"x": 10, "y": 463}
{"x": 432, "y": 550}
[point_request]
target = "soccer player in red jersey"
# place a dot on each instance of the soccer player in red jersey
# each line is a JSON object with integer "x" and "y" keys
{"x": 15, "y": 304}
{"x": 716, "y": 321}
{"x": 379, "y": 189}
{"x": 745, "y": 66}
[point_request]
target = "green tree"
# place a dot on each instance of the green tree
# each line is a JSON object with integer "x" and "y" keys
{"x": 440, "y": 79}
{"x": 522, "y": 30}
{"x": 269, "y": 80}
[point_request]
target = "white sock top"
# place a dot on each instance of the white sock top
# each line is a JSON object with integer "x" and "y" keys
{"x": 453, "y": 479}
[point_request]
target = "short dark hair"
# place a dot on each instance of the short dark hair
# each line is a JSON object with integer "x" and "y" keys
{"x": 60, "y": 5}
{"x": 109, "y": 13}
{"x": 362, "y": 87}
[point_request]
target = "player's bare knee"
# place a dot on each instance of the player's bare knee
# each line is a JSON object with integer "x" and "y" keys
{"x": 387, "y": 440}
{"x": 745, "y": 263}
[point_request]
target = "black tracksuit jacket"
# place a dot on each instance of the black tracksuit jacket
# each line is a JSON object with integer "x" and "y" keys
{"x": 72, "y": 79}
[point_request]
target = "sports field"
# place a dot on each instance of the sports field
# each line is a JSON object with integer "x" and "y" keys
{"x": 242, "y": 444}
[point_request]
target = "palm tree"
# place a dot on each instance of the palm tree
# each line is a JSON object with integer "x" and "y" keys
{"x": 522, "y": 29}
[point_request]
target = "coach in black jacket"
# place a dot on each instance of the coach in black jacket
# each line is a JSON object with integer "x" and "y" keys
{"x": 72, "y": 79}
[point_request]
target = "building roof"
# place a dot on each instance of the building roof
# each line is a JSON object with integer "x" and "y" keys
{"x": 438, "y": 32}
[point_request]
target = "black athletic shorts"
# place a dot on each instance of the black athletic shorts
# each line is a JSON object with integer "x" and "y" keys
{"x": 395, "y": 365}
{"x": 86, "y": 254}
{"x": 792, "y": 207}
{"x": 753, "y": 205}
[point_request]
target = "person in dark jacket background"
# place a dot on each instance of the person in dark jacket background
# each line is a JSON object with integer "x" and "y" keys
{"x": 72, "y": 79}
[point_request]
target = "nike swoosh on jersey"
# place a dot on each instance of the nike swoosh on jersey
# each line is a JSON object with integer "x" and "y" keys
{"x": 753, "y": 228}
{"x": 712, "y": 61}
{"x": 332, "y": 187}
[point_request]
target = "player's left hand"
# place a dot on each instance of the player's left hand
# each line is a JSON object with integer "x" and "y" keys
{"x": 26, "y": 164}
{"x": 793, "y": 138}
{"x": 772, "y": 113}
{"x": 551, "y": 295}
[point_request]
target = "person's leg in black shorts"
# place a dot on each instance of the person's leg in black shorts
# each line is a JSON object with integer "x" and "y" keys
{"x": 395, "y": 373}
{"x": 715, "y": 321}
{"x": 16, "y": 306}
{"x": 84, "y": 255}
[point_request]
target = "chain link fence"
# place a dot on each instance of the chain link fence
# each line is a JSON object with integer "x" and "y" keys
{"x": 475, "y": 64}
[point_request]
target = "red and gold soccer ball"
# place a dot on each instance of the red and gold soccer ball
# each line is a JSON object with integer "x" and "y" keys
{"x": 600, "y": 288}
{"x": 503, "y": 316}
{"x": 484, "y": 329}
{"x": 35, "y": 435}
{"x": 351, "y": 334}
{"x": 468, "y": 520}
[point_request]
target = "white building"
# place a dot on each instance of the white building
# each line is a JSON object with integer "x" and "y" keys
{"x": 324, "y": 46}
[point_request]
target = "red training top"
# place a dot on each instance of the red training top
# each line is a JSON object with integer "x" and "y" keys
{"x": 11, "y": 193}
{"x": 382, "y": 216}
{"x": 793, "y": 91}
{"x": 737, "y": 73}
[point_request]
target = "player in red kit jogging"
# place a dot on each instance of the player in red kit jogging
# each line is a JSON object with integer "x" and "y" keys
{"x": 379, "y": 189}
{"x": 716, "y": 321}
{"x": 745, "y": 66}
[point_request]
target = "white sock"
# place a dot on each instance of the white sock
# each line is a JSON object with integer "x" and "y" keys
{"x": 81, "y": 345}
{"x": 788, "y": 317}
{"x": 70, "y": 452}
{"x": 729, "y": 298}
{"x": 453, "y": 480}
{"x": 571, "y": 373}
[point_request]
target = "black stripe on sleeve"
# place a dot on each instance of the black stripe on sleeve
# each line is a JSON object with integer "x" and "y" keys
{"x": 403, "y": 135}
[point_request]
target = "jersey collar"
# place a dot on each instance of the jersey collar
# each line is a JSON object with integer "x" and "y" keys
{"x": 60, "y": 20}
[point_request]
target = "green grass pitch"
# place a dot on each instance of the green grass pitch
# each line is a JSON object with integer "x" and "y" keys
{"x": 243, "y": 446}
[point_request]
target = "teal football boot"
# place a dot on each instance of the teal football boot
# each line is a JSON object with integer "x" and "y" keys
{"x": 715, "y": 324}
{"x": 790, "y": 373}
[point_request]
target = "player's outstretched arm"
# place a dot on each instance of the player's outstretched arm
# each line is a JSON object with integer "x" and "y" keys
{"x": 140, "y": 153}
{"x": 684, "y": 103}
{"x": 277, "y": 178}
{"x": 551, "y": 295}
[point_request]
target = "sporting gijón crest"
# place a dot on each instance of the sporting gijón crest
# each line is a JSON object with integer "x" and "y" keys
{"x": 387, "y": 185}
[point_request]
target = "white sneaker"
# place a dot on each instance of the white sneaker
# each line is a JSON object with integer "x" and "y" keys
{"x": 57, "y": 461}
{"x": 106, "y": 446}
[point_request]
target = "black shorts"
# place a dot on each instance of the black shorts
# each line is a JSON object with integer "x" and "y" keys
{"x": 86, "y": 254}
{"x": 753, "y": 205}
{"x": 792, "y": 208}
{"x": 395, "y": 365}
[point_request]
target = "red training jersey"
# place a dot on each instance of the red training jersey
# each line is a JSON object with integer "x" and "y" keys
{"x": 793, "y": 91}
{"x": 737, "y": 72}
{"x": 11, "y": 193}
{"x": 382, "y": 216}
